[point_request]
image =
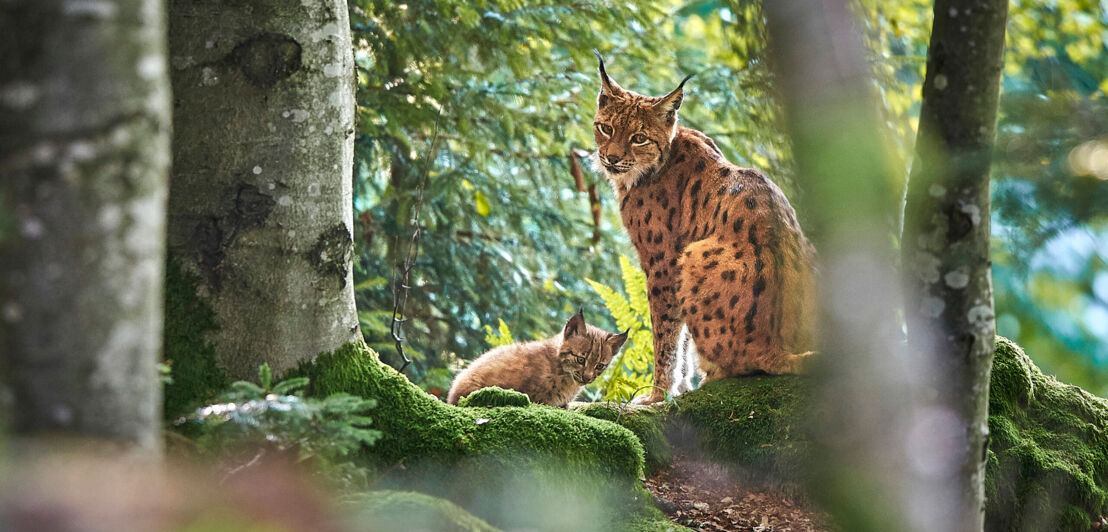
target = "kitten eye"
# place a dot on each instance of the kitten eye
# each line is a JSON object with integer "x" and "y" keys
{"x": 604, "y": 129}
{"x": 580, "y": 359}
{"x": 638, "y": 139}
{"x": 600, "y": 367}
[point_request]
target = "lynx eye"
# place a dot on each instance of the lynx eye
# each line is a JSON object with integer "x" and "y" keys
{"x": 600, "y": 367}
{"x": 580, "y": 359}
{"x": 638, "y": 139}
{"x": 604, "y": 129}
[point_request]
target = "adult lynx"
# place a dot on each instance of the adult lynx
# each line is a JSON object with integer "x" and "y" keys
{"x": 721, "y": 247}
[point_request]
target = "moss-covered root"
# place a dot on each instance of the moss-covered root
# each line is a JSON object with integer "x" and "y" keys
{"x": 495, "y": 396}
{"x": 1047, "y": 463}
{"x": 407, "y": 510}
{"x": 515, "y": 467}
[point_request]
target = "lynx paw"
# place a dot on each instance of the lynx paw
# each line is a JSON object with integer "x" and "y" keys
{"x": 656, "y": 397}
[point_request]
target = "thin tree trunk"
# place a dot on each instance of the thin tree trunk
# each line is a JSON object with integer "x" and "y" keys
{"x": 260, "y": 200}
{"x": 84, "y": 156}
{"x": 946, "y": 230}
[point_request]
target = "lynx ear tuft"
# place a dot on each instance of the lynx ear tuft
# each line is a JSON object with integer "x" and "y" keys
{"x": 608, "y": 88}
{"x": 668, "y": 105}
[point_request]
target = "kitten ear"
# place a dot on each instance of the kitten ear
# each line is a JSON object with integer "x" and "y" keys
{"x": 666, "y": 108}
{"x": 608, "y": 88}
{"x": 616, "y": 340}
{"x": 575, "y": 326}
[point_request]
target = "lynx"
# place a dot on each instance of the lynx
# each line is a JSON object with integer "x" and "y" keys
{"x": 550, "y": 371}
{"x": 724, "y": 255}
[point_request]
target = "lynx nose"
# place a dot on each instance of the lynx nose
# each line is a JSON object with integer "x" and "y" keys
{"x": 614, "y": 159}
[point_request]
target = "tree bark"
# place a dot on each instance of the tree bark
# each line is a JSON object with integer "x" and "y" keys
{"x": 84, "y": 157}
{"x": 945, "y": 247}
{"x": 260, "y": 207}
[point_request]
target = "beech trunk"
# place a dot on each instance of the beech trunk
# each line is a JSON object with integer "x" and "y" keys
{"x": 260, "y": 208}
{"x": 84, "y": 157}
{"x": 945, "y": 247}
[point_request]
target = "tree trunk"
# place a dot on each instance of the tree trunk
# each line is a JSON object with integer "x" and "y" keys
{"x": 260, "y": 207}
{"x": 946, "y": 230}
{"x": 84, "y": 156}
{"x": 870, "y": 421}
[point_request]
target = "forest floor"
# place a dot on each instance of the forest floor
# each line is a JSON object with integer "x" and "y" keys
{"x": 699, "y": 495}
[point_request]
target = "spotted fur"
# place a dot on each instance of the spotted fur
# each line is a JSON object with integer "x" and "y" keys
{"x": 550, "y": 371}
{"x": 722, "y": 249}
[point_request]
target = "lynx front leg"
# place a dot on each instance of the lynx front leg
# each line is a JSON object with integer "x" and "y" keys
{"x": 667, "y": 329}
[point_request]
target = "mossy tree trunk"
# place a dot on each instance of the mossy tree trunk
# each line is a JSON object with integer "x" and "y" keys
{"x": 84, "y": 157}
{"x": 945, "y": 247}
{"x": 260, "y": 207}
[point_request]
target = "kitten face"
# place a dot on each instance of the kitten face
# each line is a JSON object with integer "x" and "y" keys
{"x": 586, "y": 350}
{"x": 633, "y": 132}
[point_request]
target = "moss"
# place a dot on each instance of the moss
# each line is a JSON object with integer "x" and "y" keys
{"x": 515, "y": 467}
{"x": 1047, "y": 464}
{"x": 406, "y": 510}
{"x": 754, "y": 424}
{"x": 197, "y": 378}
{"x": 646, "y": 424}
{"x": 495, "y": 396}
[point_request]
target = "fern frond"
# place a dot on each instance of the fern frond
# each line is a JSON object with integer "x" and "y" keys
{"x": 634, "y": 283}
{"x": 617, "y": 305}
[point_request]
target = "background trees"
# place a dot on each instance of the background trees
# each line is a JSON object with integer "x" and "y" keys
{"x": 84, "y": 156}
{"x": 509, "y": 235}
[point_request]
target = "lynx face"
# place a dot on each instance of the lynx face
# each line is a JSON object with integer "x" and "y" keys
{"x": 633, "y": 132}
{"x": 587, "y": 351}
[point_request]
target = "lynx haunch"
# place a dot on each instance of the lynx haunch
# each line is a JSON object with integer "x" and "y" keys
{"x": 721, "y": 247}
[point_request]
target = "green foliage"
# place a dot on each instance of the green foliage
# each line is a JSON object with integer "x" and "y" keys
{"x": 501, "y": 336}
{"x": 494, "y": 396}
{"x": 632, "y": 372}
{"x": 254, "y": 417}
{"x": 510, "y": 88}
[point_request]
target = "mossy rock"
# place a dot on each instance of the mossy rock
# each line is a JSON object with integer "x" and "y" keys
{"x": 753, "y": 425}
{"x": 412, "y": 511}
{"x": 1047, "y": 463}
{"x": 495, "y": 396}
{"x": 516, "y": 467}
{"x": 646, "y": 423}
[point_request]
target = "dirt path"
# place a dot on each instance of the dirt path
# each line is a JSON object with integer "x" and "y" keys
{"x": 700, "y": 496}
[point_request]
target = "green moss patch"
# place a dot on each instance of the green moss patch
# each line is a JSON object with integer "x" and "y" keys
{"x": 495, "y": 396}
{"x": 646, "y": 423}
{"x": 407, "y": 510}
{"x": 516, "y": 467}
{"x": 753, "y": 425}
{"x": 1047, "y": 463}
{"x": 197, "y": 378}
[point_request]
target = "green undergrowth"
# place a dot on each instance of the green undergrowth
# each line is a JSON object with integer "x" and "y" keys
{"x": 516, "y": 467}
{"x": 1047, "y": 463}
{"x": 495, "y": 396}
{"x": 647, "y": 424}
{"x": 197, "y": 378}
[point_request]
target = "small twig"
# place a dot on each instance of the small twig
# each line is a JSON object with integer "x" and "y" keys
{"x": 401, "y": 278}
